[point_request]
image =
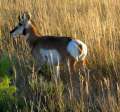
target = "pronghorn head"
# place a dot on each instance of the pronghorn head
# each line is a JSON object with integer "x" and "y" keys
{"x": 24, "y": 23}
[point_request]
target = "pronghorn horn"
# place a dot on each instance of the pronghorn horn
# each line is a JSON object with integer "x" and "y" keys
{"x": 20, "y": 17}
{"x": 24, "y": 16}
{"x": 27, "y": 15}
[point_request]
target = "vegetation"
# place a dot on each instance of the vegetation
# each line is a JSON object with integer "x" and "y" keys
{"x": 7, "y": 90}
{"x": 97, "y": 23}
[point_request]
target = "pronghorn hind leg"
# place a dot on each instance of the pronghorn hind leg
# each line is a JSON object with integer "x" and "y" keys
{"x": 72, "y": 66}
{"x": 84, "y": 67}
{"x": 81, "y": 66}
{"x": 85, "y": 62}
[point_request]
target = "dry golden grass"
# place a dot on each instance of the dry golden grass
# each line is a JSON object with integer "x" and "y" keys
{"x": 96, "y": 22}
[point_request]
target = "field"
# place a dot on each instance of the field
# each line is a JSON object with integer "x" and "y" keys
{"x": 95, "y": 22}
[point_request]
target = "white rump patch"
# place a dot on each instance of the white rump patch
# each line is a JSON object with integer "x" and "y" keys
{"x": 74, "y": 49}
{"x": 50, "y": 56}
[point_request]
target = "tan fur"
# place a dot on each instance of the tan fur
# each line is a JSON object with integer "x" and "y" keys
{"x": 49, "y": 42}
{"x": 37, "y": 42}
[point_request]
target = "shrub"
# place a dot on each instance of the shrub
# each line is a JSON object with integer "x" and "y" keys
{"x": 7, "y": 100}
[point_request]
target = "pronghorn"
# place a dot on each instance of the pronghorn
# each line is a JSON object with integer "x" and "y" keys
{"x": 53, "y": 50}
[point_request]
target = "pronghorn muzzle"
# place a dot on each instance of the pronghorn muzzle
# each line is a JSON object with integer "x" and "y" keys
{"x": 12, "y": 31}
{"x": 17, "y": 31}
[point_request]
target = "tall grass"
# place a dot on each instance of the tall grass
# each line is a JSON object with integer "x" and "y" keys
{"x": 97, "y": 23}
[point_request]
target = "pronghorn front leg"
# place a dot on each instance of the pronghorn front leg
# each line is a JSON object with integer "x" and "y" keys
{"x": 37, "y": 68}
